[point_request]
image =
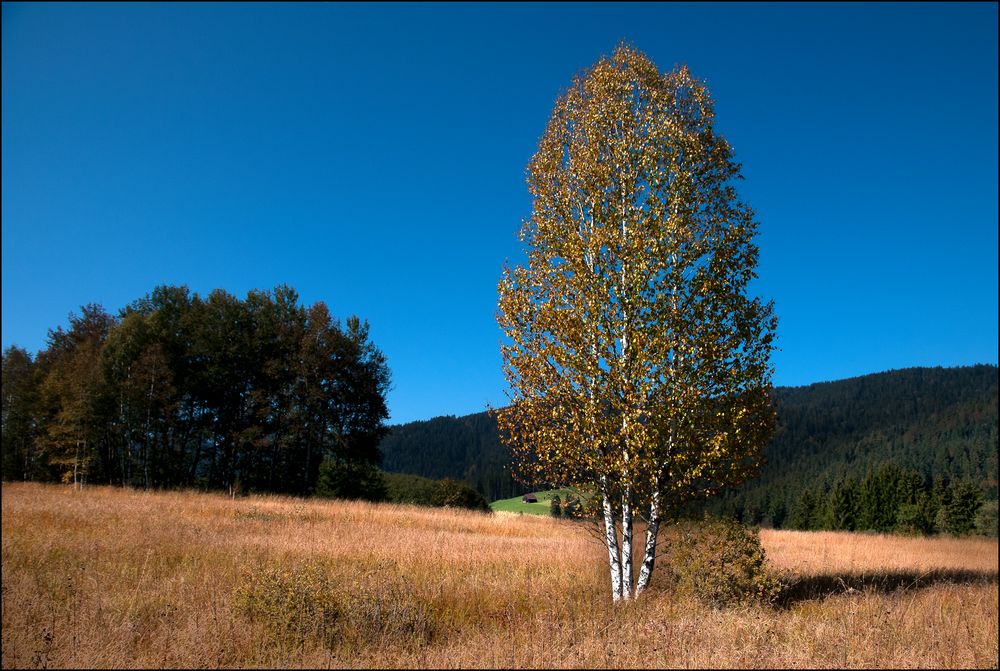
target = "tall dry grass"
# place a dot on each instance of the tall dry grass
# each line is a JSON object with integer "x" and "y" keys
{"x": 111, "y": 578}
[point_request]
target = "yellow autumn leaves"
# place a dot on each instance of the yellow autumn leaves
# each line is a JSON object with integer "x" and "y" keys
{"x": 633, "y": 351}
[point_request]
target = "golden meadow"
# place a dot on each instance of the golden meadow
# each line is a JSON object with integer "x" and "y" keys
{"x": 107, "y": 577}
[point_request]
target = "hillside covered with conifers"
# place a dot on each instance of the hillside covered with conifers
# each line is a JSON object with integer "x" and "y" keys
{"x": 914, "y": 431}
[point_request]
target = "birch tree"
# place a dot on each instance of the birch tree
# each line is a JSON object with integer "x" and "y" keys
{"x": 638, "y": 362}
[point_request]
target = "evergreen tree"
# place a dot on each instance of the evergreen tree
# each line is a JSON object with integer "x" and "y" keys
{"x": 777, "y": 512}
{"x": 879, "y": 499}
{"x": 555, "y": 506}
{"x": 917, "y": 517}
{"x": 940, "y": 500}
{"x": 960, "y": 512}
{"x": 986, "y": 519}
{"x": 937, "y": 422}
{"x": 803, "y": 515}
{"x": 826, "y": 431}
{"x": 842, "y": 505}
{"x": 910, "y": 486}
{"x": 753, "y": 514}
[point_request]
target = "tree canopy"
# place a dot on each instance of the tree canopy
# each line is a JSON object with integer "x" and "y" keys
{"x": 214, "y": 392}
{"x": 638, "y": 362}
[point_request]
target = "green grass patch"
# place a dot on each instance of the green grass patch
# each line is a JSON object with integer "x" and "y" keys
{"x": 543, "y": 507}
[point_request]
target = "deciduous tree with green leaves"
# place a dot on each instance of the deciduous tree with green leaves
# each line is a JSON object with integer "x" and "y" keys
{"x": 638, "y": 363}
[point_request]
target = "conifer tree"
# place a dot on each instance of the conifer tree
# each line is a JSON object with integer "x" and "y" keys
{"x": 842, "y": 505}
{"x": 555, "y": 506}
{"x": 803, "y": 515}
{"x": 960, "y": 512}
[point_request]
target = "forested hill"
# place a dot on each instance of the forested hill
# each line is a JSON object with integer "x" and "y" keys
{"x": 941, "y": 422}
{"x": 466, "y": 448}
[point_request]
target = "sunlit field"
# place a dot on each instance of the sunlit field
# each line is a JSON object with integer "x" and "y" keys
{"x": 113, "y": 578}
{"x": 542, "y": 507}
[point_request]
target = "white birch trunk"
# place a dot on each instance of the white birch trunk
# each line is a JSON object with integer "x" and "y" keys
{"x": 649, "y": 556}
{"x": 627, "y": 544}
{"x": 611, "y": 538}
{"x": 624, "y": 298}
{"x": 653, "y": 528}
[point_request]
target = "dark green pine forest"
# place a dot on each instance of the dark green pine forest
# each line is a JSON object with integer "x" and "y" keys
{"x": 909, "y": 450}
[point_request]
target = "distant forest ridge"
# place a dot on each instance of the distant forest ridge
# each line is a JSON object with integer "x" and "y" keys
{"x": 939, "y": 422}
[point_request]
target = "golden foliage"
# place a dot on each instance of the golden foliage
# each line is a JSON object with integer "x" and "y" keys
{"x": 635, "y": 355}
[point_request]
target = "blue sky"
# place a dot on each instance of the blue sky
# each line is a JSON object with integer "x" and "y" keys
{"x": 372, "y": 156}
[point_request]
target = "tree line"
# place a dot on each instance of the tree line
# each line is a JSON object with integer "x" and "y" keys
{"x": 217, "y": 393}
{"x": 938, "y": 426}
{"x": 416, "y": 490}
{"x": 887, "y": 499}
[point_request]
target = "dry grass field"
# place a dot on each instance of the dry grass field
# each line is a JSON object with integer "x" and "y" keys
{"x": 111, "y": 578}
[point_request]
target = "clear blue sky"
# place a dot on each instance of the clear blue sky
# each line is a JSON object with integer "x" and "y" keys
{"x": 372, "y": 156}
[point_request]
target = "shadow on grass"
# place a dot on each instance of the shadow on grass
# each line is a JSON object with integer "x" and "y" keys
{"x": 810, "y": 587}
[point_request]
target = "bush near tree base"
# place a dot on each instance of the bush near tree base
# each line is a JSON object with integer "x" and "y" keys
{"x": 721, "y": 562}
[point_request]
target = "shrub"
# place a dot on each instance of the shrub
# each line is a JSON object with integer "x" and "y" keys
{"x": 555, "y": 506}
{"x": 254, "y": 513}
{"x": 721, "y": 562}
{"x": 407, "y": 488}
{"x": 571, "y": 508}
{"x": 417, "y": 490}
{"x": 299, "y": 602}
{"x": 350, "y": 480}
{"x": 294, "y": 602}
{"x": 386, "y": 610}
{"x": 456, "y": 494}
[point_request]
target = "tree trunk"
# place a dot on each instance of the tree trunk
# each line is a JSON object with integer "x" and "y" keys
{"x": 627, "y": 544}
{"x": 649, "y": 556}
{"x": 611, "y": 538}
